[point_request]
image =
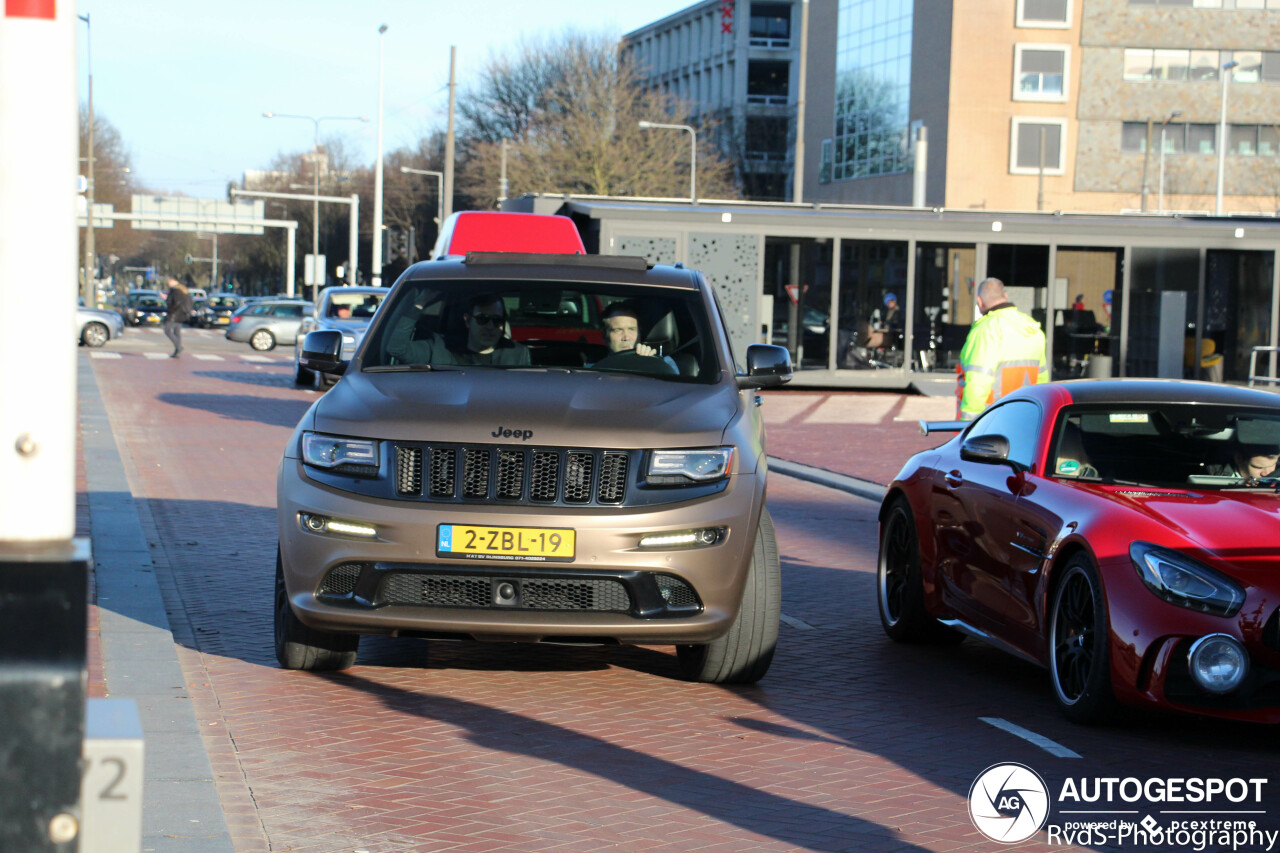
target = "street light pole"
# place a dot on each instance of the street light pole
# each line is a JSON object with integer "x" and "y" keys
{"x": 1163, "y": 125}
{"x": 88, "y": 290}
{"x": 377, "y": 178}
{"x": 693, "y": 153}
{"x": 797, "y": 180}
{"x": 315, "y": 164}
{"x": 1222, "y": 132}
{"x": 439, "y": 176}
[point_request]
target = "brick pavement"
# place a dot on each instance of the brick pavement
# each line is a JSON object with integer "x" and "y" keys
{"x": 850, "y": 743}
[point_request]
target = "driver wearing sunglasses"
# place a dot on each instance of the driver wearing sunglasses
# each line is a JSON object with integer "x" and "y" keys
{"x": 484, "y": 343}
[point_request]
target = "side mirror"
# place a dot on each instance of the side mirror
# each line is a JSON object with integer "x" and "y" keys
{"x": 988, "y": 449}
{"x": 322, "y": 352}
{"x": 767, "y": 367}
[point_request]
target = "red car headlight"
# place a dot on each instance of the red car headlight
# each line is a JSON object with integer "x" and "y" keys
{"x": 1180, "y": 580}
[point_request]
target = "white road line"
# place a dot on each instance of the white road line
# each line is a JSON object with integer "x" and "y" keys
{"x": 155, "y": 355}
{"x": 1052, "y": 747}
{"x": 105, "y": 355}
{"x": 256, "y": 358}
{"x": 796, "y": 623}
{"x": 205, "y": 356}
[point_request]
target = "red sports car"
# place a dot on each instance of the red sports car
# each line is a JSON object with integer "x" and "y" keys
{"x": 1125, "y": 534}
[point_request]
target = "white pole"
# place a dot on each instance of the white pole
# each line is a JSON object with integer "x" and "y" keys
{"x": 376, "y": 263}
{"x": 1222, "y": 132}
{"x": 920, "y": 173}
{"x": 353, "y": 243}
{"x": 39, "y": 161}
{"x": 502, "y": 180}
{"x": 446, "y": 189}
{"x": 292, "y": 252}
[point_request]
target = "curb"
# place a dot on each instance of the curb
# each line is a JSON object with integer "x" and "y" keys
{"x": 842, "y": 482}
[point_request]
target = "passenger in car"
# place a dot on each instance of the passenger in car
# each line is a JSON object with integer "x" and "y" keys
{"x": 1250, "y": 462}
{"x": 483, "y": 339}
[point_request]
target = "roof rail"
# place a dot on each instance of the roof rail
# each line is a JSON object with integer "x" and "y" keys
{"x": 615, "y": 262}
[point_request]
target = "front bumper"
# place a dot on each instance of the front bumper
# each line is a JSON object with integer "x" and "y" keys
{"x": 606, "y": 549}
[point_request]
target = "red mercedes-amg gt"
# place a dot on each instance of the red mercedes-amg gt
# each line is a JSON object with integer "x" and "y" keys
{"x": 1125, "y": 534}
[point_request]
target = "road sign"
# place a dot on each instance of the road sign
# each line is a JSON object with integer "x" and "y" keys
{"x": 313, "y": 269}
{"x": 793, "y": 291}
{"x": 161, "y": 213}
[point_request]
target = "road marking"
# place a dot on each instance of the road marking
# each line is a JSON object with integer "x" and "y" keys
{"x": 256, "y": 358}
{"x": 154, "y": 355}
{"x": 205, "y": 356}
{"x": 1052, "y": 747}
{"x": 105, "y": 355}
{"x": 796, "y": 623}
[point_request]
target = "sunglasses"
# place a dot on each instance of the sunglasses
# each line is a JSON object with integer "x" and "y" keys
{"x": 488, "y": 319}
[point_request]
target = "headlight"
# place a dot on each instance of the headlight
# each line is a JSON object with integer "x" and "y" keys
{"x": 1188, "y": 583}
{"x": 328, "y": 451}
{"x": 703, "y": 465}
{"x": 1218, "y": 663}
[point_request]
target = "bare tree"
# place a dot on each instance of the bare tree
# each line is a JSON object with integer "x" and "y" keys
{"x": 573, "y": 109}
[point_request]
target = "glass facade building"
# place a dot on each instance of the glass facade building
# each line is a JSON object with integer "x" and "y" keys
{"x": 873, "y": 89}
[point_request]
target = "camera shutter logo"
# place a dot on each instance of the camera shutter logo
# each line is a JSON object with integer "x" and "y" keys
{"x": 1008, "y": 803}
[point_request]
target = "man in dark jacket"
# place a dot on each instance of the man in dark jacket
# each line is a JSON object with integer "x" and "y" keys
{"x": 178, "y": 309}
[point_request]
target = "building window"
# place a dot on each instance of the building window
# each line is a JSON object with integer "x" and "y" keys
{"x": 1138, "y": 63}
{"x": 873, "y": 88}
{"x": 1039, "y": 72}
{"x": 1045, "y": 14}
{"x": 1204, "y": 65}
{"x": 767, "y": 139}
{"x": 1250, "y": 68}
{"x": 1200, "y": 138}
{"x": 1133, "y": 136}
{"x": 770, "y": 25}
{"x": 824, "y": 170}
{"x": 1025, "y": 153}
{"x": 767, "y": 82}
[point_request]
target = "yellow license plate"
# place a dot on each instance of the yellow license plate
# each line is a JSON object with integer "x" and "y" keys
{"x": 540, "y": 544}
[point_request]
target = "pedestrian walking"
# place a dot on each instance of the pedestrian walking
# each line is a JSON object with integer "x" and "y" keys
{"x": 178, "y": 311}
{"x": 1005, "y": 350}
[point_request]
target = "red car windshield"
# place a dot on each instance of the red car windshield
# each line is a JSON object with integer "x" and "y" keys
{"x": 1168, "y": 445}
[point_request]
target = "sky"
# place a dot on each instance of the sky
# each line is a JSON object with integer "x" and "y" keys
{"x": 186, "y": 83}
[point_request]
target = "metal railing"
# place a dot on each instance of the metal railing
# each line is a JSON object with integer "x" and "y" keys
{"x": 1253, "y": 366}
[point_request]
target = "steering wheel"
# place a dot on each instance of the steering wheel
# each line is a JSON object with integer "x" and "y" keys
{"x": 633, "y": 362}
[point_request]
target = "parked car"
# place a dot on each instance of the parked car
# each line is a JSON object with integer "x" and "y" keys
{"x": 217, "y": 310}
{"x": 198, "y": 307}
{"x": 96, "y": 326}
{"x": 148, "y": 306}
{"x": 264, "y": 324}
{"x": 532, "y": 498}
{"x": 345, "y": 309}
{"x": 1099, "y": 529}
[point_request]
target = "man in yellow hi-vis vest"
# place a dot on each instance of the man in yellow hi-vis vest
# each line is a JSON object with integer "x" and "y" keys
{"x": 1004, "y": 351}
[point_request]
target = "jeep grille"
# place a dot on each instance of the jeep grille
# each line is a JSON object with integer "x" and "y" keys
{"x": 486, "y": 473}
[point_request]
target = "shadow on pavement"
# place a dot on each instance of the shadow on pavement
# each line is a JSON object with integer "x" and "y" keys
{"x": 242, "y": 407}
{"x": 791, "y": 821}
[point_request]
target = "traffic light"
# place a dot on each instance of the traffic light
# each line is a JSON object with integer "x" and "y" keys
{"x": 399, "y": 242}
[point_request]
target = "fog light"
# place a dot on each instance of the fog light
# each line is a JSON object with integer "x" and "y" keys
{"x": 321, "y": 524}
{"x": 684, "y": 538}
{"x": 1218, "y": 663}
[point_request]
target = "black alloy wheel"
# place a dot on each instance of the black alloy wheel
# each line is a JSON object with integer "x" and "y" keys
{"x": 1079, "y": 663}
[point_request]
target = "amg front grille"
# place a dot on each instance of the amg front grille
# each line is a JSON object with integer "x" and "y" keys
{"x": 485, "y": 473}
{"x": 483, "y": 592}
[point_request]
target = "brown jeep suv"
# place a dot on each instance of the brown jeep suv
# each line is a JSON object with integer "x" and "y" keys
{"x": 534, "y": 448}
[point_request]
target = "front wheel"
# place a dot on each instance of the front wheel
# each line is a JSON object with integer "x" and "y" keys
{"x": 743, "y": 655}
{"x": 1079, "y": 658}
{"x": 262, "y": 340}
{"x": 94, "y": 335}
{"x": 300, "y": 647}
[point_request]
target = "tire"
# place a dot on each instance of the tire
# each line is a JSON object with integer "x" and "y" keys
{"x": 262, "y": 340}
{"x": 1079, "y": 656}
{"x": 300, "y": 647}
{"x": 302, "y": 377}
{"x": 94, "y": 335}
{"x": 899, "y": 585}
{"x": 743, "y": 655}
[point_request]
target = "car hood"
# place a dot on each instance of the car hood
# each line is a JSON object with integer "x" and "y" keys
{"x": 1214, "y": 521}
{"x": 539, "y": 408}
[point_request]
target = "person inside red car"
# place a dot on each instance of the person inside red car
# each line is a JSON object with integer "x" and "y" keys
{"x": 1251, "y": 462}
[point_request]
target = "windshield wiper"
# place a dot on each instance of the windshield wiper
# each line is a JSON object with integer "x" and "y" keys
{"x": 400, "y": 368}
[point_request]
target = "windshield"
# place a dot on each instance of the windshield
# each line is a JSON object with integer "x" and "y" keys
{"x": 354, "y": 306}
{"x": 660, "y": 332}
{"x": 223, "y": 301}
{"x": 1172, "y": 445}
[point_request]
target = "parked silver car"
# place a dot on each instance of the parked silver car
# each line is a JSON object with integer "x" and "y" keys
{"x": 343, "y": 309}
{"x": 264, "y": 324}
{"x": 95, "y": 326}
